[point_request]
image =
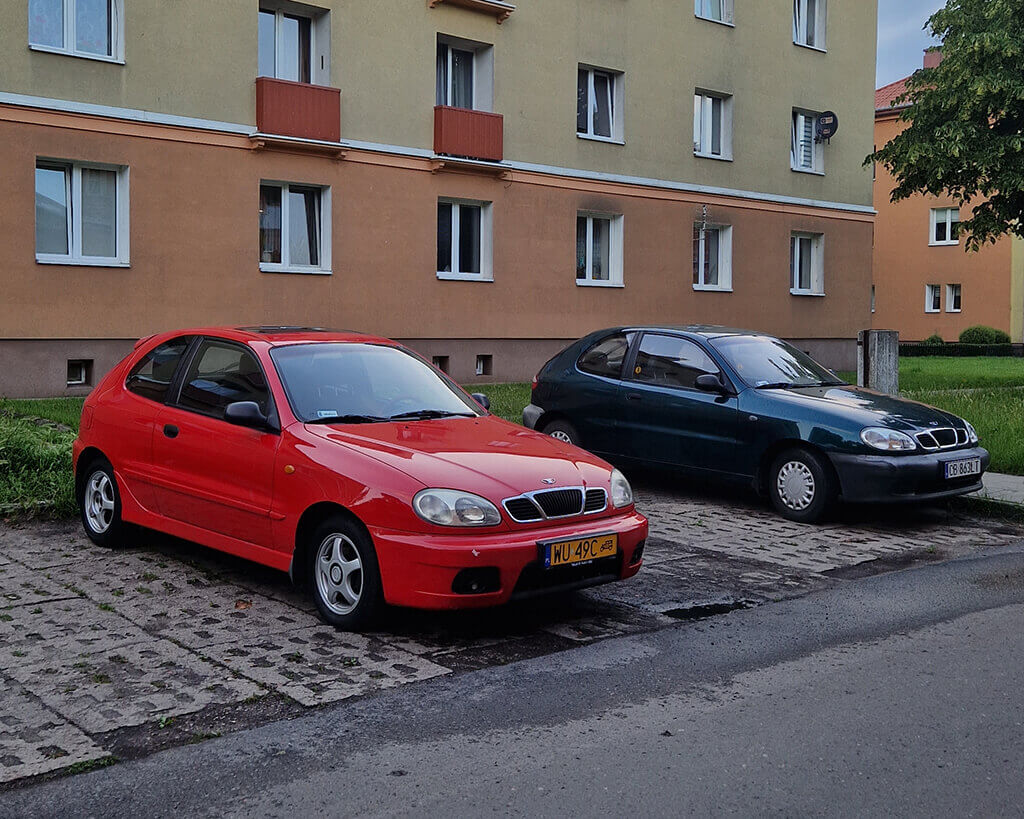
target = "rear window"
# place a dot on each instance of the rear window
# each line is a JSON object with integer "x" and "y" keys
{"x": 152, "y": 376}
{"x": 607, "y": 356}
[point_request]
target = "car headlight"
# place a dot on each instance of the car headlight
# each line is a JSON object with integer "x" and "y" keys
{"x": 887, "y": 439}
{"x": 449, "y": 507}
{"x": 972, "y": 433}
{"x": 622, "y": 492}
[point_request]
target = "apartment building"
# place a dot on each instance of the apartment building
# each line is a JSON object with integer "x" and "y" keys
{"x": 925, "y": 282}
{"x": 485, "y": 181}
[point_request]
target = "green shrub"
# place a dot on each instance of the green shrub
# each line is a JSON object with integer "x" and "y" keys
{"x": 934, "y": 340}
{"x": 983, "y": 335}
{"x": 35, "y": 468}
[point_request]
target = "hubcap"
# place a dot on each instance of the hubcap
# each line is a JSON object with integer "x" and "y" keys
{"x": 339, "y": 574}
{"x": 559, "y": 435}
{"x": 99, "y": 502}
{"x": 796, "y": 485}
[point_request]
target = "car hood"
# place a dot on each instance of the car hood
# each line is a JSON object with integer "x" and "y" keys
{"x": 485, "y": 455}
{"x": 867, "y": 407}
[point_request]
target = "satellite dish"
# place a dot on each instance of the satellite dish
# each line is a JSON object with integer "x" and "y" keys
{"x": 826, "y": 126}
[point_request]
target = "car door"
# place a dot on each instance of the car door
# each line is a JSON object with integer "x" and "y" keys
{"x": 668, "y": 419}
{"x": 211, "y": 473}
{"x": 591, "y": 400}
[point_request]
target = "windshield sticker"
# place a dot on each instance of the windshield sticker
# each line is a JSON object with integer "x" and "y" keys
{"x": 326, "y": 413}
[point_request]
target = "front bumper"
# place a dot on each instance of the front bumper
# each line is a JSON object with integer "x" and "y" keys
{"x": 419, "y": 570}
{"x": 899, "y": 478}
{"x": 531, "y": 415}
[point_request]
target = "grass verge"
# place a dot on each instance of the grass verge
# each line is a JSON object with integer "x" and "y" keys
{"x": 35, "y": 468}
{"x": 507, "y": 400}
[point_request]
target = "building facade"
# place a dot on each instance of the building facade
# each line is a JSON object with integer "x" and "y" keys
{"x": 925, "y": 282}
{"x": 483, "y": 181}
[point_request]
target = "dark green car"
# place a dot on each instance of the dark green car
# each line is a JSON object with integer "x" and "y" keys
{"x": 739, "y": 404}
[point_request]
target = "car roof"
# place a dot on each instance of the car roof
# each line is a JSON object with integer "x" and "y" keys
{"x": 704, "y": 330}
{"x": 279, "y": 335}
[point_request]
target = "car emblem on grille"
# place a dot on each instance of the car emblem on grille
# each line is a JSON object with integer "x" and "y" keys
{"x": 547, "y": 481}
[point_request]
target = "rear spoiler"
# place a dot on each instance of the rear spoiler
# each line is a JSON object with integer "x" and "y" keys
{"x": 142, "y": 341}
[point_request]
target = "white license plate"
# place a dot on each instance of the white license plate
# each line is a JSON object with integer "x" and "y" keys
{"x": 961, "y": 469}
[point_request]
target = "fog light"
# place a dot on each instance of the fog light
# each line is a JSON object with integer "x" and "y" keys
{"x": 638, "y": 553}
{"x": 477, "y": 581}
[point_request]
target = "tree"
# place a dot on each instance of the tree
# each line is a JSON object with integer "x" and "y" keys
{"x": 965, "y": 134}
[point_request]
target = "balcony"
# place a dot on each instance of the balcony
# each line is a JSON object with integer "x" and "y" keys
{"x": 297, "y": 109}
{"x": 498, "y": 8}
{"x": 471, "y": 134}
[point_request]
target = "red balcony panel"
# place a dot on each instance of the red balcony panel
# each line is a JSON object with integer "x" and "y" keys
{"x": 298, "y": 109}
{"x": 470, "y": 134}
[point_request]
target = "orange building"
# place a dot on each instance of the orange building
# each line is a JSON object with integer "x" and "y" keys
{"x": 924, "y": 282}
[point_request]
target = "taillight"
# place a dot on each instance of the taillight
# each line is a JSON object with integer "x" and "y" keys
{"x": 533, "y": 384}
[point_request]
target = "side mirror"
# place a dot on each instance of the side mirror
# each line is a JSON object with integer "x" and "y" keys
{"x": 246, "y": 414}
{"x": 711, "y": 383}
{"x": 482, "y": 400}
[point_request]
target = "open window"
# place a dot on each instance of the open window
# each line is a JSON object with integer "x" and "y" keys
{"x": 464, "y": 74}
{"x": 294, "y": 43}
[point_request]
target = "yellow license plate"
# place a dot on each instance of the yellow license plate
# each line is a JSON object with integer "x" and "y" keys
{"x": 579, "y": 550}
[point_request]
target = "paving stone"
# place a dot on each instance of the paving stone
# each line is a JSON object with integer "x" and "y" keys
{"x": 22, "y": 586}
{"x": 45, "y": 544}
{"x": 34, "y": 740}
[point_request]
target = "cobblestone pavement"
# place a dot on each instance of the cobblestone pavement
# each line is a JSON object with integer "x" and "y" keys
{"x": 119, "y": 653}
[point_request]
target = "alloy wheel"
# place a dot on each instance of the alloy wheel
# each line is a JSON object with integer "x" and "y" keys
{"x": 339, "y": 574}
{"x": 99, "y": 502}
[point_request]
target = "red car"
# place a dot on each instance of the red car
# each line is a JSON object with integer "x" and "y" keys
{"x": 353, "y": 464}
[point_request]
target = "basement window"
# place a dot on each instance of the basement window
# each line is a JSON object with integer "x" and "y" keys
{"x": 484, "y": 364}
{"x": 79, "y": 372}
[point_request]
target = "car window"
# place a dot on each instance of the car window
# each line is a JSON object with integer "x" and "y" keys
{"x": 220, "y": 374}
{"x": 763, "y": 360}
{"x": 671, "y": 362}
{"x": 151, "y": 377}
{"x": 606, "y": 357}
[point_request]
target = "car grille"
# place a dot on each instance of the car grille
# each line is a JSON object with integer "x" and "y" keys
{"x": 942, "y": 438}
{"x": 556, "y": 503}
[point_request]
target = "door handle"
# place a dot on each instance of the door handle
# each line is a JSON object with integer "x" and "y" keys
{"x": 633, "y": 396}
{"x": 170, "y": 431}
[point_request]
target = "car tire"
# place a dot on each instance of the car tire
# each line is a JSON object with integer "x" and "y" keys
{"x": 800, "y": 486}
{"x": 562, "y": 431}
{"x": 343, "y": 575}
{"x": 99, "y": 503}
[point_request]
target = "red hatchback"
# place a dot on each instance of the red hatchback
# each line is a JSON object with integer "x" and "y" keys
{"x": 351, "y": 463}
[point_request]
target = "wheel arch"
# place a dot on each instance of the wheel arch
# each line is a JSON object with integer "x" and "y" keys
{"x": 310, "y": 519}
{"x": 778, "y": 447}
{"x": 86, "y": 458}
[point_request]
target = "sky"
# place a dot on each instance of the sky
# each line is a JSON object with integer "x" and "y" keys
{"x": 901, "y": 38}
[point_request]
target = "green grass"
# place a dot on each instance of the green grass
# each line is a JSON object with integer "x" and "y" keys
{"x": 507, "y": 400}
{"x": 942, "y": 373}
{"x": 35, "y": 468}
{"x": 65, "y": 411}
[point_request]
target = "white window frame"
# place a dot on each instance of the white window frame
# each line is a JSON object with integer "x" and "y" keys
{"x": 486, "y": 273}
{"x": 797, "y": 120}
{"x": 319, "y": 37}
{"x": 934, "y": 221}
{"x": 817, "y": 287}
{"x": 73, "y": 194}
{"x": 929, "y": 291}
{"x": 950, "y": 290}
{"x": 69, "y": 50}
{"x": 617, "y": 93}
{"x": 872, "y": 298}
{"x": 724, "y": 258}
{"x": 820, "y": 25}
{"x": 702, "y": 11}
{"x": 615, "y": 249}
{"x": 483, "y": 70}
{"x": 285, "y": 265}
{"x": 703, "y": 122}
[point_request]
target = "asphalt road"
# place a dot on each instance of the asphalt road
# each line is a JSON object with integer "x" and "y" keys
{"x": 895, "y": 694}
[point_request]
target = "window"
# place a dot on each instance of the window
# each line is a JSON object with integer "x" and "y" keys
{"x": 807, "y": 264}
{"x": 712, "y": 257}
{"x": 718, "y": 10}
{"x": 82, "y": 28}
{"x": 671, "y": 362}
{"x": 441, "y": 362}
{"x": 599, "y": 104}
{"x": 294, "y": 45}
{"x": 953, "y": 298}
{"x": 81, "y": 214}
{"x": 932, "y": 298}
{"x": 598, "y": 249}
{"x": 295, "y": 228}
{"x": 484, "y": 364}
{"x": 806, "y": 152}
{"x": 712, "y": 125}
{"x": 465, "y": 74}
{"x": 464, "y": 240}
{"x": 151, "y": 377}
{"x": 220, "y": 374}
{"x": 79, "y": 372}
{"x": 945, "y": 226}
{"x": 809, "y": 23}
{"x": 607, "y": 356}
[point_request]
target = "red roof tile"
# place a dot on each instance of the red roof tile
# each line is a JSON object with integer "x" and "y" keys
{"x": 885, "y": 95}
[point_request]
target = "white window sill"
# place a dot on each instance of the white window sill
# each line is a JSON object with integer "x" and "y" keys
{"x": 944, "y": 244}
{"x": 709, "y": 288}
{"x": 592, "y": 283}
{"x": 725, "y": 23}
{"x": 954, "y": 311}
{"x": 269, "y": 267}
{"x": 68, "y": 261}
{"x": 463, "y": 277}
{"x": 83, "y": 55}
{"x": 810, "y": 47}
{"x": 719, "y": 157}
{"x": 808, "y": 171}
{"x": 933, "y": 311}
{"x": 594, "y": 138}
{"x": 794, "y": 292}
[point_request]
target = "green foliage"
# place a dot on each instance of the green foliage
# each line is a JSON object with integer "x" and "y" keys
{"x": 979, "y": 334}
{"x": 507, "y": 400}
{"x": 965, "y": 134}
{"x": 934, "y": 340}
{"x": 938, "y": 373}
{"x": 35, "y": 468}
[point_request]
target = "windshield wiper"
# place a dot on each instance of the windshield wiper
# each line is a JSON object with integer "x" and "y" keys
{"x": 346, "y": 419}
{"x": 417, "y": 415}
{"x": 779, "y": 385}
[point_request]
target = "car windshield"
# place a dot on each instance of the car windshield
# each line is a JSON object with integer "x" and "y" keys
{"x": 764, "y": 362}
{"x": 364, "y": 383}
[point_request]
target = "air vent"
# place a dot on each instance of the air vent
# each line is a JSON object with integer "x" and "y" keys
{"x": 596, "y": 501}
{"x": 560, "y": 503}
{"x": 523, "y": 510}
